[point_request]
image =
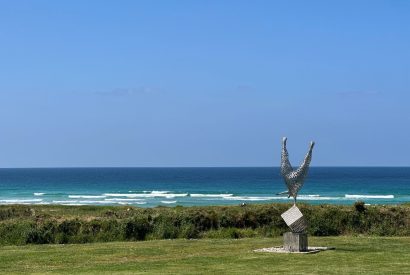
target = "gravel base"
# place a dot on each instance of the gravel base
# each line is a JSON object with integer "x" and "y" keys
{"x": 280, "y": 249}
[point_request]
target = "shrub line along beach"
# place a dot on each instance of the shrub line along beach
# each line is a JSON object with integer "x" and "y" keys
{"x": 49, "y": 224}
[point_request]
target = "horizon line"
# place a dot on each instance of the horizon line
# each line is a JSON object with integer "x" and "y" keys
{"x": 176, "y": 167}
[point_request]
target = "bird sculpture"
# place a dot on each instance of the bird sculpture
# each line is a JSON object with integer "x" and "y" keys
{"x": 294, "y": 178}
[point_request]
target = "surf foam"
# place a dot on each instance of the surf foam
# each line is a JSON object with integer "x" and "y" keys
{"x": 210, "y": 195}
{"x": 369, "y": 196}
{"x": 147, "y": 195}
{"x": 86, "y": 196}
{"x": 20, "y": 201}
{"x": 169, "y": 202}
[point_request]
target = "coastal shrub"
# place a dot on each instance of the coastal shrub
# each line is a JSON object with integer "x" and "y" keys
{"x": 110, "y": 230}
{"x": 101, "y": 231}
{"x": 188, "y": 231}
{"x": 43, "y": 234}
{"x": 70, "y": 227}
{"x": 14, "y": 232}
{"x": 204, "y": 220}
{"x": 227, "y": 218}
{"x": 327, "y": 222}
{"x": 64, "y": 224}
{"x": 138, "y": 228}
{"x": 164, "y": 229}
{"x": 360, "y": 206}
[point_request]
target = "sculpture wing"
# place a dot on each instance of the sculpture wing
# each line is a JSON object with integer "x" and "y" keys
{"x": 300, "y": 173}
{"x": 285, "y": 166}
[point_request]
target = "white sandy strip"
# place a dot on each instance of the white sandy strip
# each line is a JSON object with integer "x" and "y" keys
{"x": 317, "y": 198}
{"x": 210, "y": 195}
{"x": 21, "y": 201}
{"x": 130, "y": 203}
{"x": 123, "y": 199}
{"x": 248, "y": 198}
{"x": 66, "y": 201}
{"x": 81, "y": 202}
{"x": 369, "y": 196}
{"x": 306, "y": 197}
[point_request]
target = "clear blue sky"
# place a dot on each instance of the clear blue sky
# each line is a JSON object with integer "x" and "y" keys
{"x": 203, "y": 83}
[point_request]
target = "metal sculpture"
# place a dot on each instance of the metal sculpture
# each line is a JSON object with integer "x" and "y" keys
{"x": 293, "y": 217}
{"x": 294, "y": 178}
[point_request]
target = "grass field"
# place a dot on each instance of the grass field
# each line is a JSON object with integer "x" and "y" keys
{"x": 367, "y": 255}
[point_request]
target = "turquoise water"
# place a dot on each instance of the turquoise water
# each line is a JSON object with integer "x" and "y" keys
{"x": 148, "y": 187}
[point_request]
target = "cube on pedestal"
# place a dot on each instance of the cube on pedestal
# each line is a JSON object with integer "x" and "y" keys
{"x": 295, "y": 220}
{"x": 297, "y": 240}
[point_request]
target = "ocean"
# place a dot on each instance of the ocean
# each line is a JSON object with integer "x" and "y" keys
{"x": 150, "y": 187}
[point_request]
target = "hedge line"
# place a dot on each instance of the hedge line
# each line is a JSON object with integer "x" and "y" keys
{"x": 82, "y": 224}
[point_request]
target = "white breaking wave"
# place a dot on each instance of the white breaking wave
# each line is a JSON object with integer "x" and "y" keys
{"x": 369, "y": 196}
{"x": 86, "y": 196}
{"x": 94, "y": 202}
{"x": 106, "y": 201}
{"x": 171, "y": 196}
{"x": 122, "y": 195}
{"x": 38, "y": 194}
{"x": 210, "y": 195}
{"x": 123, "y": 199}
{"x": 317, "y": 198}
{"x": 147, "y": 195}
{"x": 21, "y": 201}
{"x": 169, "y": 202}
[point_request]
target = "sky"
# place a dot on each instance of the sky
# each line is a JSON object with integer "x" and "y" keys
{"x": 204, "y": 83}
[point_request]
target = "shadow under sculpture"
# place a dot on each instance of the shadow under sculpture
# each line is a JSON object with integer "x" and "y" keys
{"x": 296, "y": 240}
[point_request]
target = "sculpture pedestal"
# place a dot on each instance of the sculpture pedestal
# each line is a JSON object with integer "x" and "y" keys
{"x": 295, "y": 242}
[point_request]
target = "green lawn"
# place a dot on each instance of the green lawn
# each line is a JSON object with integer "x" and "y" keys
{"x": 352, "y": 255}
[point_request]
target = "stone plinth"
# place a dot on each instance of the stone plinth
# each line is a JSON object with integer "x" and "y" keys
{"x": 295, "y": 242}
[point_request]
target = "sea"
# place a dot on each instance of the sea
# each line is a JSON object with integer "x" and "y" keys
{"x": 151, "y": 187}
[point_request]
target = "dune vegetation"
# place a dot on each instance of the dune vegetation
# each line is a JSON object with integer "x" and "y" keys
{"x": 54, "y": 224}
